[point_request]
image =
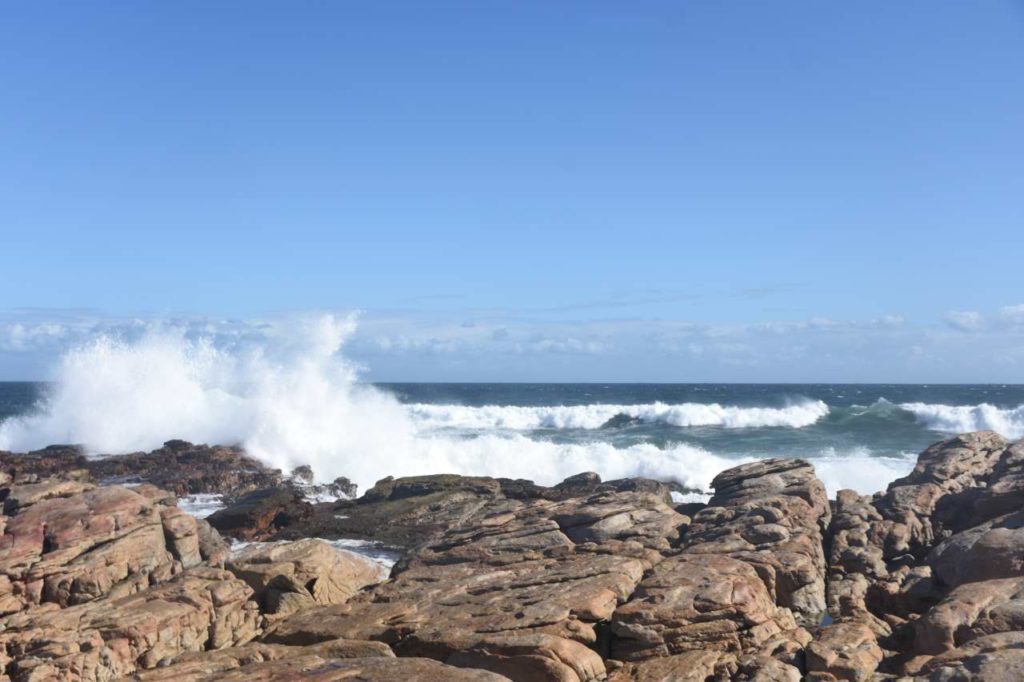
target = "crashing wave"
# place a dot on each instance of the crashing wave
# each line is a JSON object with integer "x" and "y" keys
{"x": 962, "y": 418}
{"x": 596, "y": 416}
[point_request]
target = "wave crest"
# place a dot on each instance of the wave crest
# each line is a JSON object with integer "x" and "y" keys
{"x": 963, "y": 418}
{"x": 595, "y": 416}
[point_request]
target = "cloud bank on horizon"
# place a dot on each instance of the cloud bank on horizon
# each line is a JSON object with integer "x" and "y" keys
{"x": 961, "y": 347}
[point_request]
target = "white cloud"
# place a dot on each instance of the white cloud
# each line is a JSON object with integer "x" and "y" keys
{"x": 964, "y": 320}
{"x": 1013, "y": 314}
{"x": 502, "y": 346}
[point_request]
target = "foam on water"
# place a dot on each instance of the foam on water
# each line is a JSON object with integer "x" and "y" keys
{"x": 597, "y": 415}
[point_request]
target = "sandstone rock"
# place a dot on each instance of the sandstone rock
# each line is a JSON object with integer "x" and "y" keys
{"x": 1001, "y": 494}
{"x": 946, "y": 468}
{"x": 992, "y": 550}
{"x": 844, "y": 651}
{"x": 212, "y": 665}
{"x": 991, "y": 658}
{"x": 311, "y": 569}
{"x": 69, "y": 550}
{"x": 181, "y": 534}
{"x": 970, "y": 611}
{"x": 855, "y": 561}
{"x": 771, "y": 514}
{"x": 18, "y": 497}
{"x": 532, "y": 657}
{"x": 689, "y": 666}
{"x": 642, "y": 517}
{"x": 697, "y": 602}
{"x": 322, "y": 669}
{"x": 203, "y": 608}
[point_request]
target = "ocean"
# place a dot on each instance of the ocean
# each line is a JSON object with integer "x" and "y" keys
{"x": 857, "y": 435}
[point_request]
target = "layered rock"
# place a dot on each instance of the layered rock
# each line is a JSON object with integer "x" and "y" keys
{"x": 70, "y": 544}
{"x": 520, "y": 587}
{"x": 288, "y": 577}
{"x": 751, "y": 567}
{"x": 772, "y": 515}
{"x": 201, "y": 609}
{"x": 178, "y": 466}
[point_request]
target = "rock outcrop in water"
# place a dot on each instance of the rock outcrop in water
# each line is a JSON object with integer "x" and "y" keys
{"x": 503, "y": 579}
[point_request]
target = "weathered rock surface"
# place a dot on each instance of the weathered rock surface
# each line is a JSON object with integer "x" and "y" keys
{"x": 505, "y": 579}
{"x": 75, "y": 544}
{"x": 213, "y": 665}
{"x": 262, "y": 513}
{"x": 179, "y": 466}
{"x": 203, "y": 608}
{"x": 771, "y": 514}
{"x": 290, "y": 576}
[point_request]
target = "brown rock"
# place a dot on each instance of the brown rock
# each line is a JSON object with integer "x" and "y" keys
{"x": 699, "y": 602}
{"x": 211, "y": 665}
{"x": 991, "y": 658}
{"x": 321, "y": 669}
{"x": 260, "y": 514}
{"x": 770, "y": 514}
{"x": 69, "y": 550}
{"x": 844, "y": 651}
{"x": 290, "y": 574}
{"x": 203, "y": 608}
{"x": 946, "y": 468}
{"x": 971, "y": 611}
{"x": 992, "y": 550}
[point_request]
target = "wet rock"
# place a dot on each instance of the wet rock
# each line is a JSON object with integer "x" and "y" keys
{"x": 260, "y": 514}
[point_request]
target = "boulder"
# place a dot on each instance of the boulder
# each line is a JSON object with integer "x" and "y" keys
{"x": 772, "y": 515}
{"x": 288, "y": 575}
{"x": 994, "y": 549}
{"x": 971, "y": 611}
{"x": 261, "y": 513}
{"x": 70, "y": 550}
{"x": 701, "y": 602}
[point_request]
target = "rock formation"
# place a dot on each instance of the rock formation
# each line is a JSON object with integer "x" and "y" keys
{"x": 504, "y": 579}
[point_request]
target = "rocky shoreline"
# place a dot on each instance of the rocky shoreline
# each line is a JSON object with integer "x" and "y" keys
{"x": 103, "y": 576}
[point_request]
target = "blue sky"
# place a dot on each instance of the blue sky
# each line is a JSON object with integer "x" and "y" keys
{"x": 564, "y": 191}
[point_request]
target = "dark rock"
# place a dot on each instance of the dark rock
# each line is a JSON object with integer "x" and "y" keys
{"x": 260, "y": 514}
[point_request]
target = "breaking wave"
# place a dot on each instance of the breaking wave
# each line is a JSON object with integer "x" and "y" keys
{"x": 595, "y": 416}
{"x": 960, "y": 418}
